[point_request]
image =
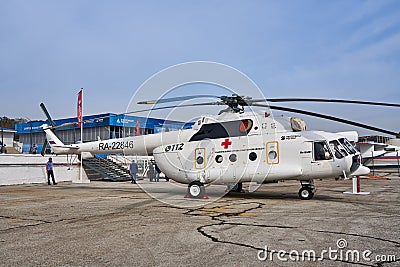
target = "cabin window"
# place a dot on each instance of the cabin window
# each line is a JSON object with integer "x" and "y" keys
{"x": 272, "y": 155}
{"x": 321, "y": 151}
{"x": 223, "y": 130}
{"x": 200, "y": 160}
{"x": 253, "y": 156}
{"x": 233, "y": 157}
{"x": 219, "y": 158}
{"x": 245, "y": 126}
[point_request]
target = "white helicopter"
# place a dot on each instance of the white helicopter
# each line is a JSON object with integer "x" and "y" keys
{"x": 237, "y": 146}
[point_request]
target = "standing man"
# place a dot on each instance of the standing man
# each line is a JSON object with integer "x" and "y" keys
{"x": 49, "y": 170}
{"x": 34, "y": 149}
{"x": 151, "y": 171}
{"x": 133, "y": 169}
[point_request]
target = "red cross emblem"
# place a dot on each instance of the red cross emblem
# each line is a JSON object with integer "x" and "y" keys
{"x": 226, "y": 143}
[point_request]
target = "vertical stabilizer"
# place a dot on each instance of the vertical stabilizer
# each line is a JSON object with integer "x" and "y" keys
{"x": 51, "y": 137}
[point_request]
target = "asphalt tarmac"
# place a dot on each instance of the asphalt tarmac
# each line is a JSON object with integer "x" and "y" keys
{"x": 152, "y": 224}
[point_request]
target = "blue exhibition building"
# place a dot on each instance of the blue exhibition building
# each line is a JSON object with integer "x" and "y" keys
{"x": 95, "y": 127}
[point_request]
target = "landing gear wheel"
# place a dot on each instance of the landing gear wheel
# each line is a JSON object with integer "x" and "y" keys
{"x": 306, "y": 193}
{"x": 237, "y": 188}
{"x": 196, "y": 189}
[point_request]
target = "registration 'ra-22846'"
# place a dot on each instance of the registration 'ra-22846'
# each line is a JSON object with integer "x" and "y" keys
{"x": 115, "y": 145}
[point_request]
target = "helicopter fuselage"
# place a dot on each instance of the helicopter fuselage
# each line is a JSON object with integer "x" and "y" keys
{"x": 259, "y": 158}
{"x": 237, "y": 147}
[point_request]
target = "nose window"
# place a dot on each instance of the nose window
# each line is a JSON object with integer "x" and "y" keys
{"x": 337, "y": 149}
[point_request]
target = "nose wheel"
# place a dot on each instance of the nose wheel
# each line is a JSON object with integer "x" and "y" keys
{"x": 307, "y": 190}
{"x": 196, "y": 190}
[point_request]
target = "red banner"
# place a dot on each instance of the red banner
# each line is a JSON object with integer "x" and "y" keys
{"x": 137, "y": 128}
{"x": 80, "y": 109}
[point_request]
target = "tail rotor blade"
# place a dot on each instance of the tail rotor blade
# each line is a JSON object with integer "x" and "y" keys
{"x": 45, "y": 144}
{"x": 50, "y": 120}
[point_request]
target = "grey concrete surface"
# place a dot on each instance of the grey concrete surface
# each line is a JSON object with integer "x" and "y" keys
{"x": 119, "y": 224}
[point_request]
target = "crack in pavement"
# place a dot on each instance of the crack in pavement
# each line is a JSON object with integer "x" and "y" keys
{"x": 39, "y": 222}
{"x": 119, "y": 213}
{"x": 22, "y": 219}
{"x": 215, "y": 215}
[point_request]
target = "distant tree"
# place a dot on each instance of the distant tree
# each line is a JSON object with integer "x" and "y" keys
{"x": 20, "y": 120}
{"x": 6, "y": 122}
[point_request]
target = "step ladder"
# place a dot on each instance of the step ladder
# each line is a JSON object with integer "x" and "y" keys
{"x": 104, "y": 169}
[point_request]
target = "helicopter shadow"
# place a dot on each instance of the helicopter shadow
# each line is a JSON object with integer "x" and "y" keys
{"x": 278, "y": 196}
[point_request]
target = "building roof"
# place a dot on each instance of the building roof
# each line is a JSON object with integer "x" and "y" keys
{"x": 105, "y": 119}
{"x": 8, "y": 130}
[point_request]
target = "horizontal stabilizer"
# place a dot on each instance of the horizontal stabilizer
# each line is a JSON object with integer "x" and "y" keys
{"x": 66, "y": 146}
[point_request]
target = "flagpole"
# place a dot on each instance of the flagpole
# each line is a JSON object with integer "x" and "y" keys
{"x": 81, "y": 122}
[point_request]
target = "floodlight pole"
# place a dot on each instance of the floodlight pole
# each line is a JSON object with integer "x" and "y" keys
{"x": 1, "y": 126}
{"x": 30, "y": 135}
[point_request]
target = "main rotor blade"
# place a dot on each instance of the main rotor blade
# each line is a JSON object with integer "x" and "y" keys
{"x": 156, "y": 108}
{"x": 174, "y": 106}
{"x": 327, "y": 117}
{"x": 174, "y": 99}
{"x": 325, "y": 100}
{"x": 49, "y": 119}
{"x": 65, "y": 125}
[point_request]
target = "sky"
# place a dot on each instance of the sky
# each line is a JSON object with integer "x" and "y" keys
{"x": 346, "y": 49}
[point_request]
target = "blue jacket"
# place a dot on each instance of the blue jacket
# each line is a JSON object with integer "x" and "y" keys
{"x": 133, "y": 168}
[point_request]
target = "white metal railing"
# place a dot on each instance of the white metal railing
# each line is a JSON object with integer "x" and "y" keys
{"x": 18, "y": 146}
{"x": 125, "y": 161}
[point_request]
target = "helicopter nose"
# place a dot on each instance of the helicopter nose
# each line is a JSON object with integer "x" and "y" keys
{"x": 362, "y": 170}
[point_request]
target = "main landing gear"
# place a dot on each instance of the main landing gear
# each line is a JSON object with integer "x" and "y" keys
{"x": 238, "y": 188}
{"x": 196, "y": 190}
{"x": 307, "y": 189}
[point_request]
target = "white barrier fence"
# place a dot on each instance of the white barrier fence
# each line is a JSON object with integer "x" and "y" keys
{"x": 29, "y": 169}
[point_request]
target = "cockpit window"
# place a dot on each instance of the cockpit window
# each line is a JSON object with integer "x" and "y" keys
{"x": 346, "y": 144}
{"x": 321, "y": 151}
{"x": 223, "y": 130}
{"x": 342, "y": 149}
{"x": 337, "y": 148}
